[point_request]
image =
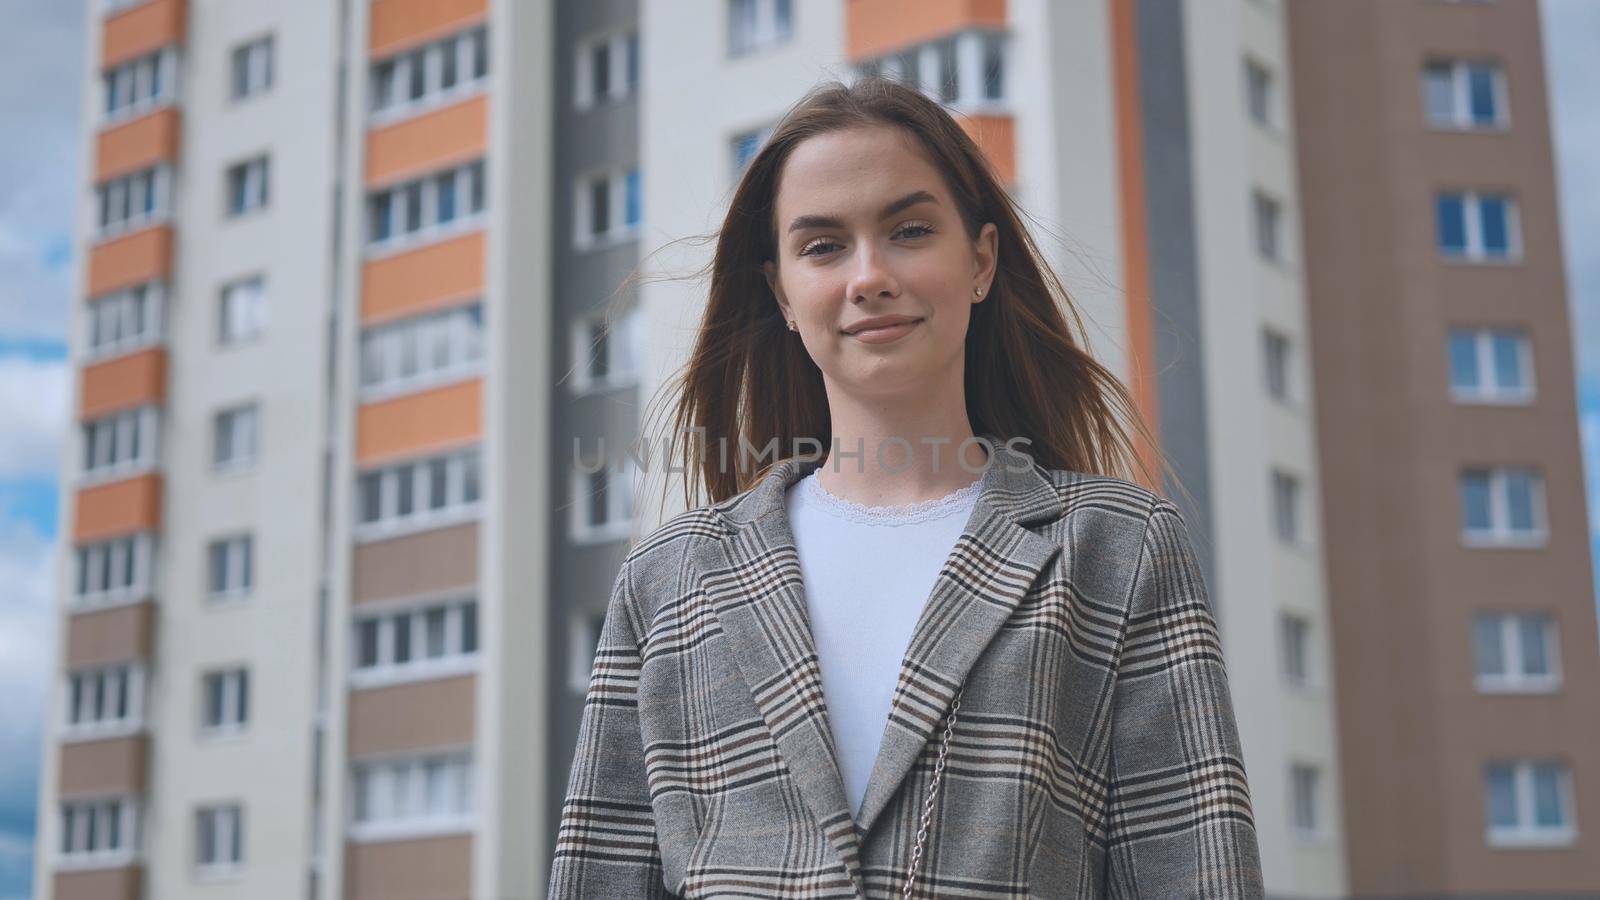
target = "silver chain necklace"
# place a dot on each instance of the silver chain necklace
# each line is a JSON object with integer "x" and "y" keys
{"x": 933, "y": 790}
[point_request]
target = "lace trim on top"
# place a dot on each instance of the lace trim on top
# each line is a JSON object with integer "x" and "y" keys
{"x": 901, "y": 514}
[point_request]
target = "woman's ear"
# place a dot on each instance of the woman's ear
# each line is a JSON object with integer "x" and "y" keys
{"x": 770, "y": 270}
{"x": 986, "y": 258}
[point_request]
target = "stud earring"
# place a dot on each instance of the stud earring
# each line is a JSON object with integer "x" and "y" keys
{"x": 792, "y": 326}
{"x": 977, "y": 292}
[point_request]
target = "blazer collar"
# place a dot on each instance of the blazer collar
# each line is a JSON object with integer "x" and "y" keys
{"x": 751, "y": 577}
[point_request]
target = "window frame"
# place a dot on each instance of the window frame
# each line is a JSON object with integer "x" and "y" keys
{"x": 233, "y": 681}
{"x": 618, "y": 503}
{"x": 459, "y": 327}
{"x": 132, "y": 674}
{"x": 456, "y": 659}
{"x": 1492, "y": 394}
{"x": 1460, "y": 117}
{"x": 160, "y": 178}
{"x": 144, "y": 433}
{"x": 226, "y": 819}
{"x": 1525, "y": 834}
{"x": 1474, "y": 253}
{"x": 623, "y": 345}
{"x": 1515, "y": 679}
{"x": 1499, "y": 534}
{"x": 239, "y": 564}
{"x": 127, "y": 808}
{"x": 156, "y": 71}
{"x": 142, "y": 305}
{"x": 254, "y": 171}
{"x": 92, "y": 556}
{"x": 238, "y": 461}
{"x": 227, "y": 336}
{"x": 458, "y": 508}
{"x": 468, "y": 184}
{"x": 392, "y": 73}
{"x": 378, "y": 775}
{"x": 255, "y": 60}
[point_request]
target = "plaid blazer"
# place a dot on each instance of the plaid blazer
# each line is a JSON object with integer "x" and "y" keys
{"x": 1095, "y": 752}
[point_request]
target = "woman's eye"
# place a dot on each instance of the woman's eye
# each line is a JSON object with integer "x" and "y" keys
{"x": 819, "y": 246}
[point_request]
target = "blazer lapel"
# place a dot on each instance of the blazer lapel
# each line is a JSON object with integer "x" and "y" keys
{"x": 991, "y": 567}
{"x": 752, "y": 579}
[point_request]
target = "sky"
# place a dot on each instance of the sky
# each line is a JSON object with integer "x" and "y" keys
{"x": 41, "y": 72}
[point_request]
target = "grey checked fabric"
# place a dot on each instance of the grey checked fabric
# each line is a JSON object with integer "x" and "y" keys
{"x": 1095, "y": 753}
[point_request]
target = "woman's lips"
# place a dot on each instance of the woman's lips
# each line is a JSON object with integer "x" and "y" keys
{"x": 885, "y": 334}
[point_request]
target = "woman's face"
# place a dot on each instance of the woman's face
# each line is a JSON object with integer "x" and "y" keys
{"x": 866, "y": 229}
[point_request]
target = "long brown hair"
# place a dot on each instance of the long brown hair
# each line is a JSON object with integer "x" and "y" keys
{"x": 1028, "y": 372}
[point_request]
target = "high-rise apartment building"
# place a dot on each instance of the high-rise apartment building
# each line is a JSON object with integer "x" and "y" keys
{"x": 359, "y": 284}
{"x": 1456, "y": 536}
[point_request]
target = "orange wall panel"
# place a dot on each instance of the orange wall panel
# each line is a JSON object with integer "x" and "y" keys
{"x": 152, "y": 138}
{"x": 399, "y": 24}
{"x": 144, "y": 255}
{"x": 442, "y": 138}
{"x": 141, "y": 29}
{"x": 876, "y": 27}
{"x": 121, "y": 507}
{"x": 125, "y": 382}
{"x": 997, "y": 137}
{"x": 414, "y": 424}
{"x": 103, "y": 767}
{"x": 424, "y": 279}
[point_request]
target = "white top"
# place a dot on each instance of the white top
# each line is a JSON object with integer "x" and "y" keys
{"x": 868, "y": 572}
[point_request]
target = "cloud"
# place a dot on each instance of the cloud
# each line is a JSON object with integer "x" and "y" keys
{"x": 41, "y": 97}
{"x": 35, "y": 407}
{"x": 27, "y": 657}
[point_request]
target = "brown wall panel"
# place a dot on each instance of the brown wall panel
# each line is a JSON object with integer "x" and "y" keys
{"x": 426, "y": 867}
{"x": 418, "y": 715}
{"x": 121, "y": 883}
{"x": 115, "y": 766}
{"x": 443, "y": 559}
{"x": 107, "y": 636}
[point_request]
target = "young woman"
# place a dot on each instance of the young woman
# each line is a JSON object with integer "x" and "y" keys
{"x": 952, "y": 651}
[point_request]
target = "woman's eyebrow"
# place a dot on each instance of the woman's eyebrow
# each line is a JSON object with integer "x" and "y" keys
{"x": 909, "y": 200}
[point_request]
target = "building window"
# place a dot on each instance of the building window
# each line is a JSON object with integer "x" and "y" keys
{"x": 100, "y": 831}
{"x": 1478, "y": 227}
{"x": 426, "y": 208}
{"x": 1286, "y": 507}
{"x": 134, "y": 200}
{"x": 418, "y": 494}
{"x": 1529, "y": 803}
{"x": 252, "y": 68}
{"x": 1275, "y": 353}
{"x": 430, "y": 75}
{"x": 1295, "y": 633}
{"x": 1269, "y": 227}
{"x": 1491, "y": 365}
{"x": 1516, "y": 652}
{"x": 219, "y": 839}
{"x": 586, "y": 630}
{"x": 1464, "y": 95}
{"x": 104, "y": 701}
{"x": 1502, "y": 506}
{"x": 229, "y": 567}
{"x": 243, "y": 311}
{"x": 226, "y": 699}
{"x": 610, "y": 207}
{"x": 120, "y": 444}
{"x": 607, "y": 355}
{"x": 236, "y": 434}
{"x": 424, "y": 641}
{"x": 602, "y": 507}
{"x": 402, "y": 797}
{"x": 141, "y": 84}
{"x": 247, "y": 186}
{"x": 1259, "y": 93}
{"x": 757, "y": 24}
{"x": 422, "y": 351}
{"x": 125, "y": 320}
{"x": 965, "y": 70}
{"x": 114, "y": 571}
{"x": 744, "y": 146}
{"x": 608, "y": 69}
{"x": 1305, "y": 806}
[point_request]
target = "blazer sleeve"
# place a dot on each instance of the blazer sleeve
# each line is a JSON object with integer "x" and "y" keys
{"x": 1180, "y": 821}
{"x": 606, "y": 841}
